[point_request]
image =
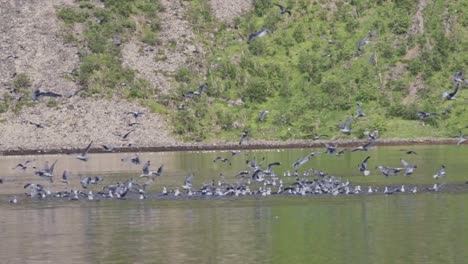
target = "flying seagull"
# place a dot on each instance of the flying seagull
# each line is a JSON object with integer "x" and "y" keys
{"x": 460, "y": 138}
{"x": 363, "y": 166}
{"x": 347, "y": 127}
{"x": 261, "y": 33}
{"x": 365, "y": 147}
{"x": 201, "y": 89}
{"x": 38, "y": 93}
{"x": 361, "y": 44}
{"x": 244, "y": 136}
{"x": 84, "y": 156}
{"x": 188, "y": 182}
{"x": 409, "y": 169}
{"x": 458, "y": 77}
{"x": 424, "y": 115}
{"x": 440, "y": 173}
{"x": 409, "y": 152}
{"x": 262, "y": 115}
{"x": 135, "y": 114}
{"x": 23, "y": 165}
{"x": 318, "y": 136}
{"x": 283, "y": 9}
{"x": 359, "y": 112}
{"x": 451, "y": 95}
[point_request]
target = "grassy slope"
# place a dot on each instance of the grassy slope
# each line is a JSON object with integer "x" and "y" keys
{"x": 307, "y": 92}
{"x": 288, "y": 72}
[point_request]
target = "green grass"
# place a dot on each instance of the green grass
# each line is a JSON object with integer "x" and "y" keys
{"x": 291, "y": 74}
{"x": 101, "y": 69}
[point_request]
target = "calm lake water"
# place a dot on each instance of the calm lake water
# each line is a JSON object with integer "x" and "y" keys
{"x": 402, "y": 228}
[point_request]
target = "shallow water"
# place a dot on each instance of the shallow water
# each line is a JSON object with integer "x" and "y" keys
{"x": 401, "y": 228}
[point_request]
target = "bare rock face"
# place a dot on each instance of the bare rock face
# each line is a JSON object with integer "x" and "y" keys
{"x": 31, "y": 43}
{"x": 175, "y": 48}
{"x": 76, "y": 122}
{"x": 227, "y": 10}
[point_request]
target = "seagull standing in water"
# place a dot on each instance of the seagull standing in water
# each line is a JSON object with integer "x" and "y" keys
{"x": 84, "y": 156}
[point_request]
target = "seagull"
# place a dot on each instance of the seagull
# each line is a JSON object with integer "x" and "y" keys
{"x": 234, "y": 152}
{"x": 23, "y": 165}
{"x": 409, "y": 169}
{"x": 409, "y": 152}
{"x": 359, "y": 112}
{"x": 372, "y": 135}
{"x": 341, "y": 152}
{"x": 65, "y": 175}
{"x": 424, "y": 115}
{"x": 125, "y": 137}
{"x": 201, "y": 89}
{"x": 188, "y": 182}
{"x": 331, "y": 149}
{"x": 134, "y": 160}
{"x": 244, "y": 136}
{"x": 108, "y": 148}
{"x": 38, "y": 93}
{"x": 261, "y": 33}
{"x": 361, "y": 44}
{"x": 269, "y": 166}
{"x": 84, "y": 156}
{"x": 296, "y": 165}
{"x": 451, "y": 95}
{"x": 436, "y": 187}
{"x": 262, "y": 115}
{"x": 135, "y": 114}
{"x": 365, "y": 147}
{"x": 440, "y": 173}
{"x": 317, "y": 137}
{"x": 347, "y": 127}
{"x": 222, "y": 160}
{"x": 460, "y": 138}
{"x": 13, "y": 201}
{"x": 363, "y": 167}
{"x": 458, "y": 77}
{"x": 146, "y": 170}
{"x": 37, "y": 125}
{"x": 47, "y": 172}
{"x": 283, "y": 9}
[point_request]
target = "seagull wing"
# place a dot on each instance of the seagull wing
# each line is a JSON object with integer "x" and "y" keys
{"x": 455, "y": 90}
{"x": 85, "y": 152}
{"x": 348, "y": 123}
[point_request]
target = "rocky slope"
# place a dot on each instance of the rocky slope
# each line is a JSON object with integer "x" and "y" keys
{"x": 32, "y": 43}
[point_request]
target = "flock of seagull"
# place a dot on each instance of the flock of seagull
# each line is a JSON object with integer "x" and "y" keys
{"x": 256, "y": 180}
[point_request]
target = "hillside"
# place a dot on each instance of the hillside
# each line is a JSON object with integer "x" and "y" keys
{"x": 107, "y": 58}
{"x": 309, "y": 72}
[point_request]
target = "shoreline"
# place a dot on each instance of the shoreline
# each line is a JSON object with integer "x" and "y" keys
{"x": 253, "y": 145}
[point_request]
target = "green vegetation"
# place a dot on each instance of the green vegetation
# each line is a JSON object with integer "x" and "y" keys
{"x": 105, "y": 27}
{"x": 309, "y": 73}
